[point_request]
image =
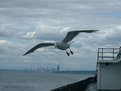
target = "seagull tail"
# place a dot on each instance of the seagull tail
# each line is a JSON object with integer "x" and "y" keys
{"x": 71, "y": 42}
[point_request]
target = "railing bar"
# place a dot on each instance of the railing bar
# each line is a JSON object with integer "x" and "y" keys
{"x": 108, "y": 52}
{"x": 102, "y": 53}
{"x": 108, "y": 48}
{"x": 113, "y": 54}
{"x": 107, "y": 57}
{"x": 98, "y": 54}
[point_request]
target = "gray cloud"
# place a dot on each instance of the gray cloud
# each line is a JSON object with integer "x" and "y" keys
{"x": 25, "y": 23}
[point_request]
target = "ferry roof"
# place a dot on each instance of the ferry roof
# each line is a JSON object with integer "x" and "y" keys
{"x": 109, "y": 61}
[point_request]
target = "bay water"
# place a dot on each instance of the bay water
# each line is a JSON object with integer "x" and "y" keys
{"x": 35, "y": 81}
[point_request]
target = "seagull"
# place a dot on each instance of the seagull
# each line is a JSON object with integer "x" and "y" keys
{"x": 62, "y": 45}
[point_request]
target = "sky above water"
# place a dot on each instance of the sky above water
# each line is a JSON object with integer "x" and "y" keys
{"x": 25, "y": 23}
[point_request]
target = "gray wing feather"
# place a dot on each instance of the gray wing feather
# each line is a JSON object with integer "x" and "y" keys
{"x": 39, "y": 46}
{"x": 70, "y": 35}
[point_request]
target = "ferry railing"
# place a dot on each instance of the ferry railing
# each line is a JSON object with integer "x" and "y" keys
{"x": 107, "y": 54}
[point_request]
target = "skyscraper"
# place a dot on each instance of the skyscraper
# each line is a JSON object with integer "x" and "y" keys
{"x": 58, "y": 68}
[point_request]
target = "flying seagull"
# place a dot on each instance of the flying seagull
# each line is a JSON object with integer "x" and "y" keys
{"x": 62, "y": 45}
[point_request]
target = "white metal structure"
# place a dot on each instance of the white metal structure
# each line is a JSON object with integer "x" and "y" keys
{"x": 108, "y": 69}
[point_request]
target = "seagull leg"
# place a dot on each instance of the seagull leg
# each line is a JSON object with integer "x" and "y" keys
{"x": 71, "y": 51}
{"x": 67, "y": 53}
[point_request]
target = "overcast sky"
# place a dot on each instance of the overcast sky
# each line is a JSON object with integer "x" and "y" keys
{"x": 25, "y": 23}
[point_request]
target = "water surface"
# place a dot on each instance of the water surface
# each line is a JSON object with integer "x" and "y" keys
{"x": 35, "y": 81}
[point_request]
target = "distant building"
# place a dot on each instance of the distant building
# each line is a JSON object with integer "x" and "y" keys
{"x": 108, "y": 69}
{"x": 58, "y": 68}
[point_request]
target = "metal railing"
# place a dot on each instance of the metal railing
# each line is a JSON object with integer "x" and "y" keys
{"x": 108, "y": 54}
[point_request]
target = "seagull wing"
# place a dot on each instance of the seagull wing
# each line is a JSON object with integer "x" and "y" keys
{"x": 70, "y": 35}
{"x": 39, "y": 46}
